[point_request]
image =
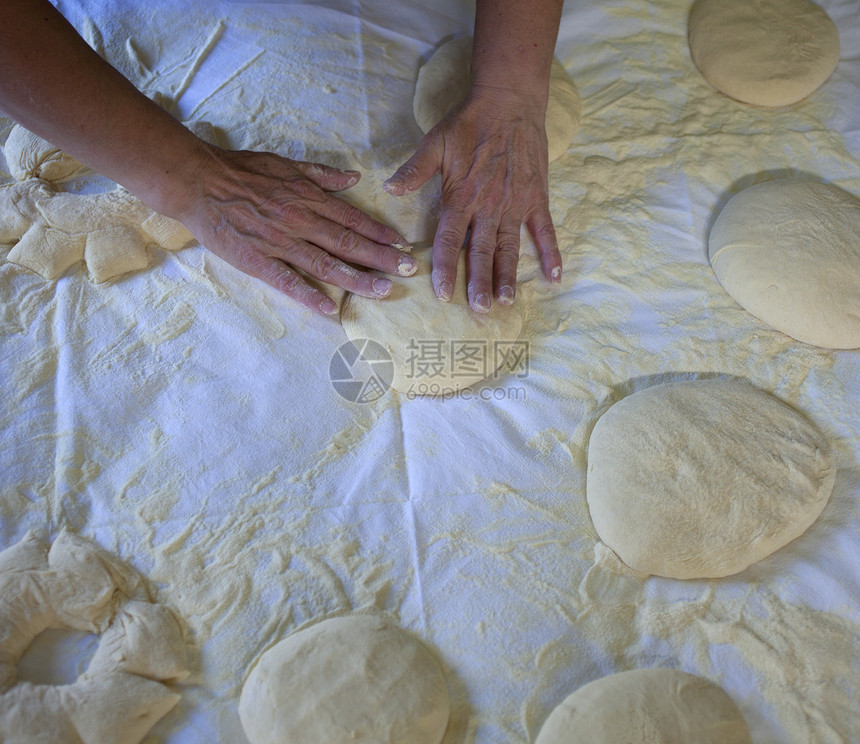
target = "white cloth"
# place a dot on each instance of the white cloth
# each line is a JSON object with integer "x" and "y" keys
{"x": 184, "y": 418}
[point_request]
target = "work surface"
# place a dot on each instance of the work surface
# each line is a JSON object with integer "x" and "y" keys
{"x": 183, "y": 417}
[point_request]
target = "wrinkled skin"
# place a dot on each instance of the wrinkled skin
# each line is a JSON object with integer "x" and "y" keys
{"x": 492, "y": 155}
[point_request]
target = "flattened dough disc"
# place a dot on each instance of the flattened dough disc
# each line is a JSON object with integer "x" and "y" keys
{"x": 789, "y": 252}
{"x": 764, "y": 52}
{"x": 437, "y": 347}
{"x": 658, "y": 706}
{"x": 344, "y": 680}
{"x": 699, "y": 479}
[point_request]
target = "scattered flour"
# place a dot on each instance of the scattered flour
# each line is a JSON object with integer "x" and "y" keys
{"x": 217, "y": 454}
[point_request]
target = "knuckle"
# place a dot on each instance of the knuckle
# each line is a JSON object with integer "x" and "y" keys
{"x": 347, "y": 242}
{"x": 542, "y": 226}
{"x": 304, "y": 189}
{"x": 352, "y": 218}
{"x": 483, "y": 248}
{"x": 323, "y": 266}
{"x": 545, "y": 229}
{"x": 408, "y": 171}
{"x": 484, "y": 237}
{"x": 292, "y": 213}
{"x": 289, "y": 283}
{"x": 508, "y": 247}
{"x": 450, "y": 240}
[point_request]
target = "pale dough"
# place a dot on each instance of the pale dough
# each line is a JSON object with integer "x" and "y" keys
{"x": 30, "y": 156}
{"x": 346, "y": 679}
{"x": 789, "y": 252}
{"x": 764, "y": 52}
{"x": 54, "y": 230}
{"x": 647, "y": 706}
{"x": 122, "y": 693}
{"x": 445, "y": 79}
{"x": 699, "y": 479}
{"x": 428, "y": 340}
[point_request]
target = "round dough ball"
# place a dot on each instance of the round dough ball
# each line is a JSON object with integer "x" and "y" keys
{"x": 659, "y": 706}
{"x": 444, "y": 81}
{"x": 767, "y": 52}
{"x": 700, "y": 479}
{"x": 437, "y": 347}
{"x": 789, "y": 252}
{"x": 343, "y": 680}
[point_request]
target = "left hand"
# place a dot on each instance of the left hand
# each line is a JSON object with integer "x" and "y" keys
{"x": 492, "y": 154}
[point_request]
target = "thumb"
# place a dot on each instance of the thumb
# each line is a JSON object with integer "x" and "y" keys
{"x": 420, "y": 168}
{"x": 327, "y": 177}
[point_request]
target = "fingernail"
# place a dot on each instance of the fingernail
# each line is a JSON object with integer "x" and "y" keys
{"x": 506, "y": 295}
{"x": 405, "y": 247}
{"x": 354, "y": 176}
{"x": 556, "y": 275}
{"x": 328, "y": 306}
{"x": 445, "y": 291}
{"x": 482, "y": 303}
{"x": 407, "y": 266}
{"x": 382, "y": 286}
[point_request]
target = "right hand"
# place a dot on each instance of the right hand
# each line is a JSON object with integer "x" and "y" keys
{"x": 272, "y": 217}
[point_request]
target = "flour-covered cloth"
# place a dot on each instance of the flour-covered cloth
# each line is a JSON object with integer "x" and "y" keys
{"x": 184, "y": 416}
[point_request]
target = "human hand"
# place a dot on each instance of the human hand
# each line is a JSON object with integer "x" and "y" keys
{"x": 492, "y": 154}
{"x": 272, "y": 218}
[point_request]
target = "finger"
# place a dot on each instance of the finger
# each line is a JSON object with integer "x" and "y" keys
{"x": 342, "y": 228}
{"x": 482, "y": 247}
{"x": 327, "y": 177}
{"x": 420, "y": 168}
{"x": 329, "y": 269}
{"x": 543, "y": 233}
{"x": 505, "y": 261}
{"x": 349, "y": 246}
{"x": 447, "y": 244}
{"x": 354, "y": 236}
{"x": 286, "y": 280}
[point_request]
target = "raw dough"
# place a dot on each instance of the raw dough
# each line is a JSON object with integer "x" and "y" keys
{"x": 346, "y": 679}
{"x": 789, "y": 252}
{"x": 76, "y": 585}
{"x": 699, "y": 479}
{"x": 54, "y": 229}
{"x": 657, "y": 706}
{"x": 445, "y": 79}
{"x": 30, "y": 156}
{"x": 765, "y": 52}
{"x": 413, "y": 325}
